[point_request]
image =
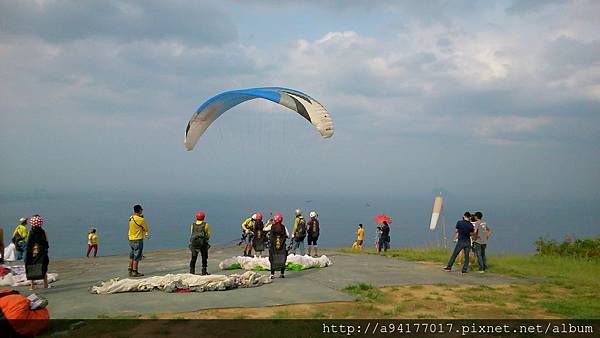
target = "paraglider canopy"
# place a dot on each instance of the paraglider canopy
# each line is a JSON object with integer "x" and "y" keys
{"x": 295, "y": 100}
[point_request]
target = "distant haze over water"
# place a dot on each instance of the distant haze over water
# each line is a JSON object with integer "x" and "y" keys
{"x": 516, "y": 224}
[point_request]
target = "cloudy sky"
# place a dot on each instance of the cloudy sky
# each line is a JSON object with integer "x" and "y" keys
{"x": 486, "y": 98}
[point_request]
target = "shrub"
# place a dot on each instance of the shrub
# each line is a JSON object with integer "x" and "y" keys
{"x": 581, "y": 248}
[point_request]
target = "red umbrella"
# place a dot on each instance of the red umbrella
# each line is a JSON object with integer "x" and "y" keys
{"x": 383, "y": 218}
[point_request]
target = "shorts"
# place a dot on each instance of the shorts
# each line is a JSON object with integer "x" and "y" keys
{"x": 312, "y": 240}
{"x": 248, "y": 239}
{"x": 137, "y": 246}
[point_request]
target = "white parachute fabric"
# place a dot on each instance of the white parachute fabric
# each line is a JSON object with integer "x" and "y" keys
{"x": 10, "y": 253}
{"x": 435, "y": 213}
{"x": 16, "y": 276}
{"x": 297, "y": 101}
{"x": 183, "y": 281}
{"x": 262, "y": 263}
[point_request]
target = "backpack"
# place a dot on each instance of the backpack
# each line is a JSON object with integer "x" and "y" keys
{"x": 199, "y": 238}
{"x": 314, "y": 227}
{"x": 301, "y": 230}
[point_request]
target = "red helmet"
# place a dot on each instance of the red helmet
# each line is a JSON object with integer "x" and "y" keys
{"x": 36, "y": 221}
{"x": 278, "y": 218}
{"x": 258, "y": 216}
{"x": 200, "y": 215}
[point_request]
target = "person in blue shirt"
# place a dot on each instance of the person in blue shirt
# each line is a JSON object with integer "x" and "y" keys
{"x": 464, "y": 229}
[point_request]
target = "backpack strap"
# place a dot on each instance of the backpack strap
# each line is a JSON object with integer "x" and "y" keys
{"x": 8, "y": 293}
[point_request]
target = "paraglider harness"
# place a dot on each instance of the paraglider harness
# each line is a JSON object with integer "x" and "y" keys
{"x": 199, "y": 238}
{"x": 300, "y": 230}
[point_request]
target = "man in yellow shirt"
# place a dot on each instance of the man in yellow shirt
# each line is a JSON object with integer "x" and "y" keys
{"x": 138, "y": 229}
{"x": 360, "y": 234}
{"x": 248, "y": 234}
{"x": 20, "y": 238}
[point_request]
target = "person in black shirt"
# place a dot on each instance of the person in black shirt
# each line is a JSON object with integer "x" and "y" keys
{"x": 464, "y": 228}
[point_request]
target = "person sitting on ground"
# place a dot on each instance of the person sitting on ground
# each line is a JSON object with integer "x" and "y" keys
{"x": 464, "y": 228}
{"x": 36, "y": 256}
{"x": 278, "y": 234}
{"x": 313, "y": 233}
{"x": 92, "y": 242}
{"x": 19, "y": 238}
{"x": 200, "y": 235}
{"x": 138, "y": 229}
{"x": 248, "y": 234}
{"x": 299, "y": 232}
{"x": 480, "y": 238}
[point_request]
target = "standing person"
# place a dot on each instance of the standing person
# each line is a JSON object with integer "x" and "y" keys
{"x": 384, "y": 239}
{"x": 19, "y": 237}
{"x": 138, "y": 229}
{"x": 200, "y": 235}
{"x": 299, "y": 232}
{"x": 378, "y": 239}
{"x": 36, "y": 256}
{"x": 248, "y": 234}
{"x": 360, "y": 235}
{"x": 278, "y": 234}
{"x": 313, "y": 232}
{"x": 259, "y": 241}
{"x": 92, "y": 242}
{"x": 480, "y": 238}
{"x": 464, "y": 229}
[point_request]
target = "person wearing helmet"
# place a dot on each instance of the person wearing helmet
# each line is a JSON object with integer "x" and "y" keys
{"x": 278, "y": 234}
{"x": 259, "y": 238}
{"x": 248, "y": 234}
{"x": 298, "y": 233}
{"x": 313, "y": 233}
{"x": 200, "y": 235}
{"x": 36, "y": 255}
{"x": 19, "y": 237}
{"x": 138, "y": 229}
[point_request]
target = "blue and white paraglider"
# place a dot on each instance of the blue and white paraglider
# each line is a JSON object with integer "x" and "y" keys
{"x": 295, "y": 100}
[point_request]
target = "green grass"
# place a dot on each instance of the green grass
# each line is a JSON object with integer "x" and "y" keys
{"x": 410, "y": 254}
{"x": 366, "y": 292}
{"x": 578, "y": 276}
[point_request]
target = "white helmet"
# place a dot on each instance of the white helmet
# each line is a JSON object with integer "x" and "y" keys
{"x": 313, "y": 214}
{"x": 298, "y": 212}
{"x": 22, "y": 220}
{"x": 254, "y": 217}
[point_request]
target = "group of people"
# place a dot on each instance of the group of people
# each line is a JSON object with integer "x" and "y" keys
{"x": 32, "y": 247}
{"x": 256, "y": 236}
{"x": 382, "y": 240}
{"x": 472, "y": 232}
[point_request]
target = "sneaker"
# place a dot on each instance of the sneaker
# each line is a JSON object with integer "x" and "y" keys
{"x": 282, "y": 276}
{"x": 136, "y": 274}
{"x": 447, "y": 269}
{"x": 481, "y": 271}
{"x": 464, "y": 271}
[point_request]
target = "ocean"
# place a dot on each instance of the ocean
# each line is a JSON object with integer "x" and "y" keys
{"x": 67, "y": 217}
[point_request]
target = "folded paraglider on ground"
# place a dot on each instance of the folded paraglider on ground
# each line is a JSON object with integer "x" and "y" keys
{"x": 294, "y": 262}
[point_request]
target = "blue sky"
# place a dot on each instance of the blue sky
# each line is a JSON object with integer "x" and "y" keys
{"x": 470, "y": 97}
